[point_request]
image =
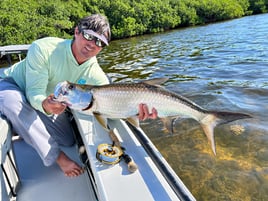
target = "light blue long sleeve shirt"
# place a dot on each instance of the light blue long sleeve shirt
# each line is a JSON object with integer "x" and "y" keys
{"x": 50, "y": 61}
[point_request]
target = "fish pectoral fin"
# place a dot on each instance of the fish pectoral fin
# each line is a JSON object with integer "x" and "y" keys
{"x": 134, "y": 121}
{"x": 168, "y": 123}
{"x": 156, "y": 81}
{"x": 102, "y": 121}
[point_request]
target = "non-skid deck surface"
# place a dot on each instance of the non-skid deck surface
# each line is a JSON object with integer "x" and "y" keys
{"x": 115, "y": 182}
{"x": 48, "y": 183}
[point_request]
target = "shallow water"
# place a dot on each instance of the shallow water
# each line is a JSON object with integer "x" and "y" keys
{"x": 221, "y": 66}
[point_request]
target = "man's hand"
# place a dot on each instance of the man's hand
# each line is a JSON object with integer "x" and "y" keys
{"x": 53, "y": 107}
{"x": 145, "y": 114}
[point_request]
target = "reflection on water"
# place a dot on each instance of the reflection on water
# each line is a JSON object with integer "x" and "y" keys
{"x": 220, "y": 66}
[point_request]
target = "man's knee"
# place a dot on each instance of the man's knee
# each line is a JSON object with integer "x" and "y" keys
{"x": 66, "y": 140}
{"x": 69, "y": 142}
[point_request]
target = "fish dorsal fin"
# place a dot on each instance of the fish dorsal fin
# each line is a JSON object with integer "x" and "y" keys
{"x": 102, "y": 121}
{"x": 134, "y": 121}
{"x": 156, "y": 81}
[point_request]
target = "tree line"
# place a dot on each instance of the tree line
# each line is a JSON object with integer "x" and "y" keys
{"x": 22, "y": 21}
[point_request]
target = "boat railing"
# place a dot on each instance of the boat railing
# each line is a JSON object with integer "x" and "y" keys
{"x": 8, "y": 50}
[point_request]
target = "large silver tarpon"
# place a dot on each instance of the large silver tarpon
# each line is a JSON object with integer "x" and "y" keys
{"x": 121, "y": 100}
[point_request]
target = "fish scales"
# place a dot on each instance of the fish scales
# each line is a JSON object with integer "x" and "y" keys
{"x": 123, "y": 99}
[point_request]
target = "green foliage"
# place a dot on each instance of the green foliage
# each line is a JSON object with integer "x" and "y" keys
{"x": 22, "y": 21}
{"x": 258, "y": 6}
{"x": 215, "y": 10}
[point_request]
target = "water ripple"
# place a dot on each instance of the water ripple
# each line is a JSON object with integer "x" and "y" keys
{"x": 221, "y": 65}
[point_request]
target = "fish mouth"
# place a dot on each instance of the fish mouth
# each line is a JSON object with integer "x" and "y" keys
{"x": 72, "y": 96}
{"x": 60, "y": 92}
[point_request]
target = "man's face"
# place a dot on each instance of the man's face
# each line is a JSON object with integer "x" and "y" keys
{"x": 84, "y": 49}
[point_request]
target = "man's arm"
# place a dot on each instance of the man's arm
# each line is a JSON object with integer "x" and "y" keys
{"x": 36, "y": 76}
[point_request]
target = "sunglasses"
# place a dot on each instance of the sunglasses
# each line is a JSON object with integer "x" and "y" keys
{"x": 90, "y": 37}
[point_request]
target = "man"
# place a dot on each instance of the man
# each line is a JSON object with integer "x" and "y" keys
{"x": 26, "y": 88}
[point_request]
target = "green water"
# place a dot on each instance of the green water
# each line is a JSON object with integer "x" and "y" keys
{"x": 222, "y": 66}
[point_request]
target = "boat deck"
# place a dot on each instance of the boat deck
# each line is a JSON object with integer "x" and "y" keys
{"x": 115, "y": 182}
{"x": 48, "y": 183}
{"x": 100, "y": 181}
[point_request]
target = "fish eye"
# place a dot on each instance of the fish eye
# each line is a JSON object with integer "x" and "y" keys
{"x": 71, "y": 86}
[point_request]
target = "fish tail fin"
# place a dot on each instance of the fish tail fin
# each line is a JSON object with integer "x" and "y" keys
{"x": 212, "y": 119}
